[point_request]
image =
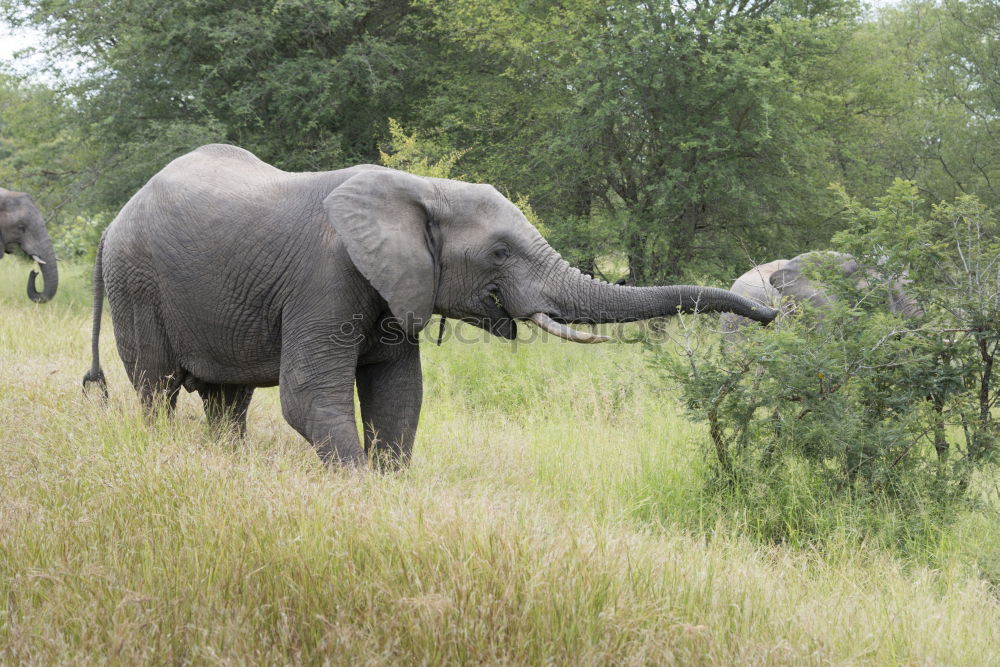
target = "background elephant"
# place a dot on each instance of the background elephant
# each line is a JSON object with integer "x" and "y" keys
{"x": 224, "y": 274}
{"x": 755, "y": 285}
{"x": 786, "y": 279}
{"x": 22, "y": 225}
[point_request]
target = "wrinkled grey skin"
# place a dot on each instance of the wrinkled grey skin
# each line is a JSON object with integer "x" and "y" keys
{"x": 22, "y": 226}
{"x": 224, "y": 274}
{"x": 785, "y": 280}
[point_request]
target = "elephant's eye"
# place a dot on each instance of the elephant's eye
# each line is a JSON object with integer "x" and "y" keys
{"x": 500, "y": 253}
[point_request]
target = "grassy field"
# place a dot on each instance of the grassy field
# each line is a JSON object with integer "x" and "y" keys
{"x": 552, "y": 514}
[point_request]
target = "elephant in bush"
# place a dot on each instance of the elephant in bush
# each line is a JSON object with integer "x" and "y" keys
{"x": 22, "y": 225}
{"x": 224, "y": 274}
{"x": 786, "y": 280}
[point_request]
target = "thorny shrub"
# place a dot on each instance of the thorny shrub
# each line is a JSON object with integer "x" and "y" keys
{"x": 870, "y": 404}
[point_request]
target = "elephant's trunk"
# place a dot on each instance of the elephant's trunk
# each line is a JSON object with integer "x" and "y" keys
{"x": 50, "y": 275}
{"x": 602, "y": 302}
{"x": 584, "y": 300}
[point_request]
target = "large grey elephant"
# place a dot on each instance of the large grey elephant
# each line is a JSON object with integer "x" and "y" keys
{"x": 22, "y": 225}
{"x": 224, "y": 274}
{"x": 787, "y": 280}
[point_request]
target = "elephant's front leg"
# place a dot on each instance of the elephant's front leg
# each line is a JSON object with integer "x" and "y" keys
{"x": 317, "y": 397}
{"x": 390, "y": 393}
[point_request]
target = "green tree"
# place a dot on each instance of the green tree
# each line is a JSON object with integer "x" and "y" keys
{"x": 966, "y": 73}
{"x": 41, "y": 151}
{"x": 942, "y": 59}
{"x": 688, "y": 132}
{"x": 949, "y": 257}
{"x": 305, "y": 84}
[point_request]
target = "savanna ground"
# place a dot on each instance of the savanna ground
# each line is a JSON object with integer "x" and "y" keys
{"x": 554, "y": 513}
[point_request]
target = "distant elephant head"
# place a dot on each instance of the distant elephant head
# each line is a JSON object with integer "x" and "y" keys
{"x": 465, "y": 251}
{"x": 786, "y": 281}
{"x": 22, "y": 225}
{"x": 792, "y": 282}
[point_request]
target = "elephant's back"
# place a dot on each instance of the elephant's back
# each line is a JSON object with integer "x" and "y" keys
{"x": 219, "y": 217}
{"x": 220, "y": 242}
{"x": 215, "y": 242}
{"x": 217, "y": 176}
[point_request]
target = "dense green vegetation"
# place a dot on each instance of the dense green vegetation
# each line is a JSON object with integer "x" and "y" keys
{"x": 875, "y": 406}
{"x": 684, "y": 137}
{"x": 814, "y": 493}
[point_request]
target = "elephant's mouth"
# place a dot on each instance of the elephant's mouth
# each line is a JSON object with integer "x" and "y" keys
{"x": 498, "y": 321}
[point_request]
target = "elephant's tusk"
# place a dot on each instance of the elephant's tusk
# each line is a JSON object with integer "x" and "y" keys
{"x": 546, "y": 323}
{"x": 38, "y": 259}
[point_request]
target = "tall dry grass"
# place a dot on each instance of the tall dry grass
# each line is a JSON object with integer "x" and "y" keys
{"x": 553, "y": 514}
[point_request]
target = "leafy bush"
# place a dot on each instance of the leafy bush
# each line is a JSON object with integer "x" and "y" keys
{"x": 78, "y": 237}
{"x": 417, "y": 155}
{"x": 859, "y": 401}
{"x": 952, "y": 259}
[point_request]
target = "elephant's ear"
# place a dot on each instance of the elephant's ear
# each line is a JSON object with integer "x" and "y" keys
{"x": 385, "y": 221}
{"x": 784, "y": 278}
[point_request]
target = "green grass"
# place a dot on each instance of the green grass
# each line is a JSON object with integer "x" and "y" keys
{"x": 553, "y": 514}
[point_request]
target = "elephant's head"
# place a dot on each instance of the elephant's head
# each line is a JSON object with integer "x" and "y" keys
{"x": 466, "y": 252}
{"x": 22, "y": 225}
{"x": 793, "y": 282}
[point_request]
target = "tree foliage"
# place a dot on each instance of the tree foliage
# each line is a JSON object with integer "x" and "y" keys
{"x": 656, "y": 139}
{"x": 688, "y": 130}
{"x": 41, "y": 149}
{"x": 937, "y": 64}
{"x": 302, "y": 83}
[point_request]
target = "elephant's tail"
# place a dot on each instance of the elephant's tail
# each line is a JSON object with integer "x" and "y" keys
{"x": 95, "y": 374}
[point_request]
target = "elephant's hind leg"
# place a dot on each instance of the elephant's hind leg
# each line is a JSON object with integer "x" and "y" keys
{"x": 390, "y": 393}
{"x": 150, "y": 366}
{"x": 226, "y": 406}
{"x": 157, "y": 387}
{"x": 142, "y": 340}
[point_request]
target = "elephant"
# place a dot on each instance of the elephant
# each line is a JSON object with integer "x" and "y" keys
{"x": 224, "y": 274}
{"x": 784, "y": 280}
{"x": 22, "y": 224}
